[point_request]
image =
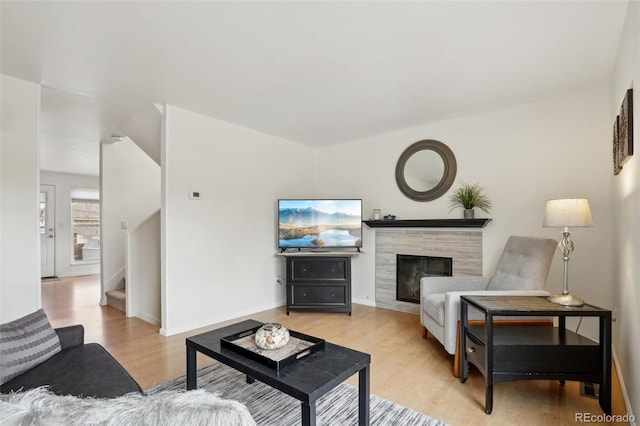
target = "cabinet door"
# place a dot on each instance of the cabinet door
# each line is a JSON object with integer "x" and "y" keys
{"x": 318, "y": 269}
{"x": 323, "y": 295}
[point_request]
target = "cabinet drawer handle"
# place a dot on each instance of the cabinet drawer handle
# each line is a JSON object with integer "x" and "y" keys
{"x": 471, "y": 350}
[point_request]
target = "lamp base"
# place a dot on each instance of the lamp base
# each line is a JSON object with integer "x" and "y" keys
{"x": 565, "y": 300}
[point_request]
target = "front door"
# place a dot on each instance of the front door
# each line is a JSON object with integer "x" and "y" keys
{"x": 47, "y": 231}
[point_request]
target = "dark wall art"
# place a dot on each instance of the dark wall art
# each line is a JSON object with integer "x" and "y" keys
{"x": 616, "y": 146}
{"x": 623, "y": 133}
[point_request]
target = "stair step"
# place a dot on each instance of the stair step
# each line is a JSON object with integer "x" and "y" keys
{"x": 119, "y": 293}
{"x": 117, "y": 299}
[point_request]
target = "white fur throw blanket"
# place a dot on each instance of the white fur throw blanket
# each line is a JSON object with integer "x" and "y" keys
{"x": 197, "y": 407}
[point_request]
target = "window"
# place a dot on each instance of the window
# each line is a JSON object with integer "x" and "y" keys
{"x": 85, "y": 224}
{"x": 43, "y": 212}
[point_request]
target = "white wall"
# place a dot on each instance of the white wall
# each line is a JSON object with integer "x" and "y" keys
{"x": 626, "y": 211}
{"x": 143, "y": 127}
{"x": 19, "y": 193}
{"x": 522, "y": 156}
{"x": 143, "y": 270}
{"x": 219, "y": 252}
{"x": 63, "y": 183}
{"x": 130, "y": 191}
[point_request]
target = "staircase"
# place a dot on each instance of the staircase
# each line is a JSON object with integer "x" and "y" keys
{"x": 117, "y": 298}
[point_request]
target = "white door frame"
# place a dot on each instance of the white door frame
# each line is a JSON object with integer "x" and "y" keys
{"x": 47, "y": 227}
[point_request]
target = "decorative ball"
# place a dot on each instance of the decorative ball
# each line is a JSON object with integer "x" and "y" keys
{"x": 272, "y": 336}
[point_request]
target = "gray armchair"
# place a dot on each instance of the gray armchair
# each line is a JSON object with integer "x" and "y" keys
{"x": 522, "y": 270}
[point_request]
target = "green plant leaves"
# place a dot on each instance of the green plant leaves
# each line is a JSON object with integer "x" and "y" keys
{"x": 469, "y": 196}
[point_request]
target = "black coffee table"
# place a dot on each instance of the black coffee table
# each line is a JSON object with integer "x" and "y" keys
{"x": 306, "y": 380}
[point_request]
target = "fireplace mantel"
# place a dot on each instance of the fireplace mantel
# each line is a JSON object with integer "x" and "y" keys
{"x": 428, "y": 223}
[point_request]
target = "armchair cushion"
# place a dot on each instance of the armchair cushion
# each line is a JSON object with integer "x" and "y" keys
{"x": 434, "y": 285}
{"x": 524, "y": 264}
{"x": 433, "y": 290}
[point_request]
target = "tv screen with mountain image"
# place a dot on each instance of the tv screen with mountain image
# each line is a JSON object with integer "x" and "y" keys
{"x": 319, "y": 223}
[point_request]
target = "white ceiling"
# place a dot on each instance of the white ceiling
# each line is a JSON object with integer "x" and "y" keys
{"x": 317, "y": 73}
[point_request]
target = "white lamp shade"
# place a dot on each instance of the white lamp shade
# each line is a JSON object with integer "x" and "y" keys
{"x": 574, "y": 212}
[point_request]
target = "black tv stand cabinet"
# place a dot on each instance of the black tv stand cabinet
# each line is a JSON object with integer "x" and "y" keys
{"x": 320, "y": 283}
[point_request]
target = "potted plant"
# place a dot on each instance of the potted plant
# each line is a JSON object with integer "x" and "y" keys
{"x": 469, "y": 196}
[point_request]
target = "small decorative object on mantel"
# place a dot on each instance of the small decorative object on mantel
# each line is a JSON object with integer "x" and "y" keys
{"x": 469, "y": 196}
{"x": 390, "y": 217}
{"x": 623, "y": 133}
{"x": 272, "y": 336}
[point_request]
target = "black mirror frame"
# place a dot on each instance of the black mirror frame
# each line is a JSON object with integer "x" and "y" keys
{"x": 448, "y": 176}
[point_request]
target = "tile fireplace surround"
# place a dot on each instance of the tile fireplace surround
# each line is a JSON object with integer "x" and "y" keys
{"x": 464, "y": 247}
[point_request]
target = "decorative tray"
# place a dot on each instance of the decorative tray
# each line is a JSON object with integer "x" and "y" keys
{"x": 299, "y": 346}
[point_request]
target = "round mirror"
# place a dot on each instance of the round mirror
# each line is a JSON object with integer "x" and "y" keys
{"x": 426, "y": 170}
{"x": 423, "y": 170}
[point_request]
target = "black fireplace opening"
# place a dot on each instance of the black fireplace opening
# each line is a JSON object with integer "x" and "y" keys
{"x": 410, "y": 269}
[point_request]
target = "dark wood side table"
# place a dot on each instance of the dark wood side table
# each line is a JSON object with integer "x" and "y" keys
{"x": 526, "y": 353}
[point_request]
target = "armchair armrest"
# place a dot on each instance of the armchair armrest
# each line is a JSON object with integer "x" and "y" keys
{"x": 435, "y": 285}
{"x": 70, "y": 336}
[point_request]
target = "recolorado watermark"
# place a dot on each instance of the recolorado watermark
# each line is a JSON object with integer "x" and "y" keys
{"x": 604, "y": 418}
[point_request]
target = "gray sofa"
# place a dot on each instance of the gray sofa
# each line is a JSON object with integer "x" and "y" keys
{"x": 79, "y": 369}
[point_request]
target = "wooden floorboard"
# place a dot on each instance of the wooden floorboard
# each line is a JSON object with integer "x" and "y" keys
{"x": 406, "y": 368}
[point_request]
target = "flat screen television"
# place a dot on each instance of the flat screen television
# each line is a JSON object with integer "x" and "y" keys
{"x": 318, "y": 224}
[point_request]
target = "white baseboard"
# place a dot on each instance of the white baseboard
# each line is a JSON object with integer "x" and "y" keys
{"x": 625, "y": 395}
{"x": 212, "y": 321}
{"x": 367, "y": 302}
{"x": 151, "y": 319}
{"x": 79, "y": 270}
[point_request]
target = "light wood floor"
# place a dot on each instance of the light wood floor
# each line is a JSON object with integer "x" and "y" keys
{"x": 405, "y": 368}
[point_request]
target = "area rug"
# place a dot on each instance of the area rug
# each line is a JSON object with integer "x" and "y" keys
{"x": 269, "y": 406}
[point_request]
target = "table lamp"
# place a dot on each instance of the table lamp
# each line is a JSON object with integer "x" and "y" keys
{"x": 574, "y": 212}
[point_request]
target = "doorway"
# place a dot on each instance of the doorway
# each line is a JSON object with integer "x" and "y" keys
{"x": 47, "y": 231}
